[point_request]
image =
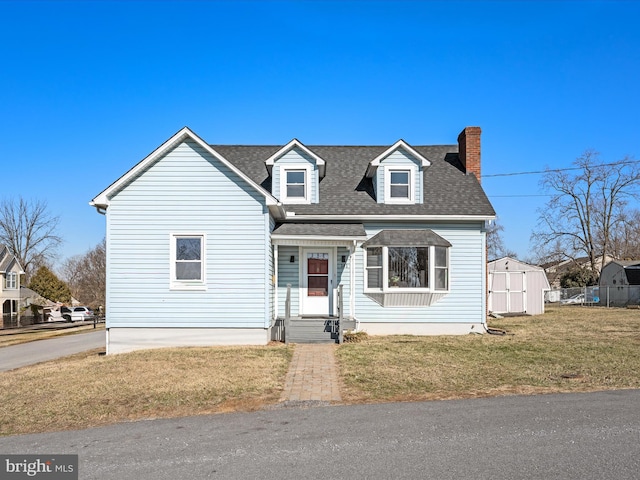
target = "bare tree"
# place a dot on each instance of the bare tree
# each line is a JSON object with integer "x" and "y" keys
{"x": 625, "y": 237}
{"x": 495, "y": 243}
{"x": 580, "y": 217}
{"x": 86, "y": 275}
{"x": 29, "y": 232}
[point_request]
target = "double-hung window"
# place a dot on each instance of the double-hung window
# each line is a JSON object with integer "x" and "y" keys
{"x": 296, "y": 184}
{"x": 11, "y": 281}
{"x": 374, "y": 267}
{"x": 187, "y": 261}
{"x": 399, "y": 185}
{"x": 441, "y": 268}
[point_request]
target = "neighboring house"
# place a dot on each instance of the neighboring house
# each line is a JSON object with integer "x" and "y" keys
{"x": 620, "y": 283}
{"x": 556, "y": 270}
{"x": 34, "y": 305}
{"x": 10, "y": 271}
{"x": 203, "y": 240}
{"x": 516, "y": 287}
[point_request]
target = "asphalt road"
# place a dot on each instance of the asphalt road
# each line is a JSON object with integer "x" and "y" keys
{"x": 16, "y": 356}
{"x": 570, "y": 436}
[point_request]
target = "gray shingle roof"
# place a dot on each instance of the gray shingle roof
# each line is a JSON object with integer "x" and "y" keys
{"x": 406, "y": 238}
{"x": 7, "y": 261}
{"x": 349, "y": 230}
{"x": 345, "y": 190}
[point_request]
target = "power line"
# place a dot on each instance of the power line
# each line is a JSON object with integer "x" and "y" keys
{"x": 537, "y": 172}
{"x": 520, "y": 195}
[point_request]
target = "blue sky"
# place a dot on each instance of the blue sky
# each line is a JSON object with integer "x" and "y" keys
{"x": 87, "y": 89}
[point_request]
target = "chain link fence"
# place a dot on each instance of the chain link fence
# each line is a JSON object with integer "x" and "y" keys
{"x": 603, "y": 295}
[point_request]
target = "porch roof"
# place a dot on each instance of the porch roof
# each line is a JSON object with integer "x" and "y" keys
{"x": 320, "y": 230}
{"x": 406, "y": 238}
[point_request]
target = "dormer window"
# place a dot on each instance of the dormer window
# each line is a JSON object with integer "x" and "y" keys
{"x": 296, "y": 172}
{"x": 295, "y": 186}
{"x": 399, "y": 185}
{"x": 397, "y": 174}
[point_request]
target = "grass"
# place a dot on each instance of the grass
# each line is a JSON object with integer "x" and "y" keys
{"x": 569, "y": 349}
{"x": 88, "y": 390}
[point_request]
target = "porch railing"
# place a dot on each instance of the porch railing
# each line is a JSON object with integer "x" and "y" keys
{"x": 287, "y": 314}
{"x": 338, "y": 322}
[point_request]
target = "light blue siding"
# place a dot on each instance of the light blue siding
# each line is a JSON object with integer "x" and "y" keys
{"x": 465, "y": 303}
{"x": 295, "y": 156}
{"x": 288, "y": 272}
{"x": 187, "y": 191}
{"x": 399, "y": 158}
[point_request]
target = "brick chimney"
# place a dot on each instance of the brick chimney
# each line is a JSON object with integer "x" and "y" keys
{"x": 469, "y": 150}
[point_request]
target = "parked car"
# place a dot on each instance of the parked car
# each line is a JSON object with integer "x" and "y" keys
{"x": 59, "y": 314}
{"x": 579, "y": 298}
{"x": 71, "y": 314}
{"x": 81, "y": 314}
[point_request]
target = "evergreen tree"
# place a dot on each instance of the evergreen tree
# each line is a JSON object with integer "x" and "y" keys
{"x": 46, "y": 284}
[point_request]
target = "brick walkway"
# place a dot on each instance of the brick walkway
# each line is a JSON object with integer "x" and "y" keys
{"x": 312, "y": 375}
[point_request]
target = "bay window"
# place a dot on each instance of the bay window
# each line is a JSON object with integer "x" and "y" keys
{"x": 406, "y": 260}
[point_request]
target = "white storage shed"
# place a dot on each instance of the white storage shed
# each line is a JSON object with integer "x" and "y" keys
{"x": 516, "y": 287}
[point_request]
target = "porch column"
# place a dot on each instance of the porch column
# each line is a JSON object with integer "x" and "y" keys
{"x": 352, "y": 280}
{"x": 275, "y": 282}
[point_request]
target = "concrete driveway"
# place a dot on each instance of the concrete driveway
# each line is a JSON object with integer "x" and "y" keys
{"x": 16, "y": 356}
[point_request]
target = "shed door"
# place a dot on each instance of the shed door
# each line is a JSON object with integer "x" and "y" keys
{"x": 507, "y": 292}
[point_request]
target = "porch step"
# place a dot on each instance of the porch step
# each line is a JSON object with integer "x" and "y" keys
{"x": 311, "y": 330}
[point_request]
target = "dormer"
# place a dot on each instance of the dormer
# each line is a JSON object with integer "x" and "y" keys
{"x": 295, "y": 174}
{"x": 397, "y": 175}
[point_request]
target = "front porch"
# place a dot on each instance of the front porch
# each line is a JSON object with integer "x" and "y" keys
{"x": 311, "y": 329}
{"x": 314, "y": 279}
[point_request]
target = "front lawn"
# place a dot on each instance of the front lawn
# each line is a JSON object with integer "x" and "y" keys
{"x": 567, "y": 349}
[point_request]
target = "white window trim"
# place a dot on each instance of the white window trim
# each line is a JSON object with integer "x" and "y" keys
{"x": 385, "y": 275}
{"x": 307, "y": 184}
{"x": 387, "y": 183}
{"x": 13, "y": 284}
{"x": 174, "y": 283}
{"x": 366, "y": 270}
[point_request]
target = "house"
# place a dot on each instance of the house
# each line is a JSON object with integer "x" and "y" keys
{"x": 10, "y": 271}
{"x": 516, "y": 287}
{"x": 557, "y": 270}
{"x": 620, "y": 283}
{"x": 35, "y": 306}
{"x": 215, "y": 244}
